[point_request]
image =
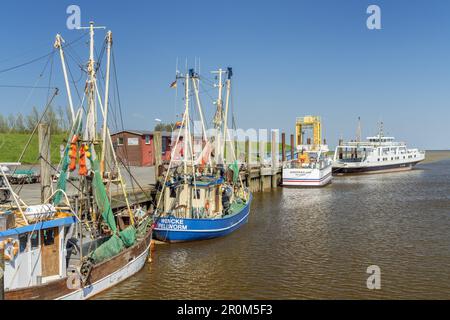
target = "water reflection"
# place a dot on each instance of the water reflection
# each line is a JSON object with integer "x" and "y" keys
{"x": 317, "y": 243}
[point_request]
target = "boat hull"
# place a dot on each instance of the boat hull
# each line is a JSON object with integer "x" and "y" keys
{"x": 170, "y": 229}
{"x": 306, "y": 177}
{"x": 366, "y": 169}
{"x": 103, "y": 276}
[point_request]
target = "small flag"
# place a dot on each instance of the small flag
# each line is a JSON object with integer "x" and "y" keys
{"x": 173, "y": 84}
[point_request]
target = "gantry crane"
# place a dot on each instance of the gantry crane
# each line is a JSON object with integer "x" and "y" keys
{"x": 309, "y": 122}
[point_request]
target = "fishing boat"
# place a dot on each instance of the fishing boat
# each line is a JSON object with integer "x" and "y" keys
{"x": 201, "y": 197}
{"x": 378, "y": 154}
{"x": 75, "y": 245}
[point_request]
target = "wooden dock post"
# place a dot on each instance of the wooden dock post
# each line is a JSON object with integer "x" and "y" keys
{"x": 157, "y": 152}
{"x": 44, "y": 156}
{"x": 283, "y": 147}
{"x": 247, "y": 152}
{"x": 2, "y": 273}
{"x": 275, "y": 158}
{"x": 292, "y": 147}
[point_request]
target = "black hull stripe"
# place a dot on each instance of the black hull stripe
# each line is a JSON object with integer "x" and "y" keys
{"x": 342, "y": 170}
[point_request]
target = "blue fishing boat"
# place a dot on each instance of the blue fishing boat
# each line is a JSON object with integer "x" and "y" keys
{"x": 200, "y": 196}
{"x": 173, "y": 229}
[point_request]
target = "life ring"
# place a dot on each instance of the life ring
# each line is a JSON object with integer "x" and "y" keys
{"x": 207, "y": 205}
{"x": 11, "y": 248}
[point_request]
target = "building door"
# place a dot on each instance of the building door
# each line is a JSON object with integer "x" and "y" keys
{"x": 50, "y": 252}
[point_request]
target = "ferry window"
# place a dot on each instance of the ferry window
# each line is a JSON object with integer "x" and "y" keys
{"x": 173, "y": 193}
{"x": 23, "y": 240}
{"x": 49, "y": 237}
{"x": 197, "y": 194}
{"x": 34, "y": 240}
{"x": 378, "y": 159}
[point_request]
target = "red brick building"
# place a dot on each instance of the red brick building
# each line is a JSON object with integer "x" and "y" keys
{"x": 135, "y": 147}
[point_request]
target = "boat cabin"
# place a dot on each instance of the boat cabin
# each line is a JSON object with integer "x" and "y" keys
{"x": 34, "y": 253}
{"x": 200, "y": 199}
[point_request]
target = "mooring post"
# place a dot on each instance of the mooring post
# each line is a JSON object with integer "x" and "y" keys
{"x": 44, "y": 160}
{"x": 157, "y": 152}
{"x": 292, "y": 147}
{"x": 283, "y": 147}
{"x": 2, "y": 273}
{"x": 275, "y": 157}
{"x": 247, "y": 153}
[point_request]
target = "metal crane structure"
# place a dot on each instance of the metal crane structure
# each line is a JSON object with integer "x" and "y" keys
{"x": 305, "y": 123}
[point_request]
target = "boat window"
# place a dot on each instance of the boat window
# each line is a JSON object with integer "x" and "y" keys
{"x": 173, "y": 193}
{"x": 49, "y": 237}
{"x": 197, "y": 194}
{"x": 34, "y": 240}
{"x": 23, "y": 240}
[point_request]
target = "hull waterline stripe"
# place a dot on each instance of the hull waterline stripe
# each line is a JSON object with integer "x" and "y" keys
{"x": 205, "y": 230}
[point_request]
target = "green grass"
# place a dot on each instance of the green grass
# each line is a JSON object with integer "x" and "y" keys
{"x": 12, "y": 145}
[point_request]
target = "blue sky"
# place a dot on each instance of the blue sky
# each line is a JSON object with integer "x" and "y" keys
{"x": 290, "y": 58}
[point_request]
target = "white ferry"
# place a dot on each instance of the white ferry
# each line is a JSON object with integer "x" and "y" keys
{"x": 312, "y": 168}
{"x": 376, "y": 155}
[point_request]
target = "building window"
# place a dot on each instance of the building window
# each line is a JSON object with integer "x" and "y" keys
{"x": 164, "y": 144}
{"x": 120, "y": 141}
{"x": 147, "y": 139}
{"x": 133, "y": 141}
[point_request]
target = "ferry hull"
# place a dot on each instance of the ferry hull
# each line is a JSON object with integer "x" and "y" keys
{"x": 302, "y": 178}
{"x": 342, "y": 170}
{"x": 171, "y": 229}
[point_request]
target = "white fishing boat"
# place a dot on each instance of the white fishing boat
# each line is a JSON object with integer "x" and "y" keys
{"x": 74, "y": 246}
{"x": 378, "y": 154}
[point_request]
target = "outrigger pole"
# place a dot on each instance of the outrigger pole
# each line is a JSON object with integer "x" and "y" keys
{"x": 105, "y": 107}
{"x": 58, "y": 45}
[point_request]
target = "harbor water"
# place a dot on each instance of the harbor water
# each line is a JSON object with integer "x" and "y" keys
{"x": 318, "y": 243}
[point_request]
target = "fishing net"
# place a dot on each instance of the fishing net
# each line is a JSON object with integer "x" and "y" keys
{"x": 108, "y": 249}
{"x": 101, "y": 198}
{"x": 128, "y": 236}
{"x": 62, "y": 179}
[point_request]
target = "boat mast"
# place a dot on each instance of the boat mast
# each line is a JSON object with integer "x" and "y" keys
{"x": 218, "y": 119}
{"x": 358, "y": 130}
{"x": 186, "y": 121}
{"x": 90, "y": 135}
{"x": 227, "y": 100}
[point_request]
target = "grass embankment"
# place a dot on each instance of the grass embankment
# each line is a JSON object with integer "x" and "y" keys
{"x": 12, "y": 145}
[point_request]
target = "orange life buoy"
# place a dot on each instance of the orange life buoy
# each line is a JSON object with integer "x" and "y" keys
{"x": 11, "y": 248}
